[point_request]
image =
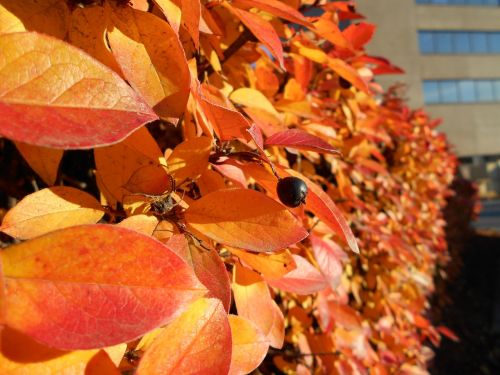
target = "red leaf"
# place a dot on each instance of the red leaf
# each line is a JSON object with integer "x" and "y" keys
{"x": 448, "y": 333}
{"x": 92, "y": 286}
{"x": 211, "y": 271}
{"x": 74, "y": 103}
{"x": 328, "y": 254}
{"x": 359, "y": 34}
{"x": 305, "y": 279}
{"x": 263, "y": 31}
{"x": 301, "y": 140}
{"x": 276, "y": 8}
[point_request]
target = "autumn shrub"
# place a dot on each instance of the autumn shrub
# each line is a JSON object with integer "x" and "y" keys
{"x": 185, "y": 259}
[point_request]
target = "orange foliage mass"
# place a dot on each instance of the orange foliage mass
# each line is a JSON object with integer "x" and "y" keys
{"x": 259, "y": 92}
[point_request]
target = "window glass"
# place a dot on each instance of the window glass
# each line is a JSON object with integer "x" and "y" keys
{"x": 467, "y": 91}
{"x": 431, "y": 92}
{"x": 460, "y": 2}
{"x": 426, "y": 41}
{"x": 461, "y": 42}
{"x": 496, "y": 90}
{"x": 443, "y": 42}
{"x": 448, "y": 91}
{"x": 446, "y": 42}
{"x": 461, "y": 91}
{"x": 479, "y": 42}
{"x": 484, "y": 90}
{"x": 494, "y": 42}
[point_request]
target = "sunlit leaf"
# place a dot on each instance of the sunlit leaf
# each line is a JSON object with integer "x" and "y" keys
{"x": 152, "y": 59}
{"x": 301, "y": 140}
{"x": 189, "y": 160}
{"x": 116, "y": 164}
{"x": 244, "y": 219}
{"x": 271, "y": 266}
{"x": 263, "y": 30}
{"x": 305, "y": 279}
{"x": 45, "y": 16}
{"x": 212, "y": 273}
{"x": 253, "y": 302}
{"x": 79, "y": 288}
{"x": 91, "y": 106}
{"x": 50, "y": 209}
{"x": 198, "y": 341}
{"x": 276, "y": 8}
{"x": 249, "y": 345}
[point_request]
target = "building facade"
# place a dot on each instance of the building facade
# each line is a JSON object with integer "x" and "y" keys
{"x": 450, "y": 51}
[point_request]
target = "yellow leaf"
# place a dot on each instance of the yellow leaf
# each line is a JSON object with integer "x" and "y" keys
{"x": 44, "y": 161}
{"x": 189, "y": 159}
{"x": 152, "y": 59}
{"x": 271, "y": 266}
{"x": 254, "y": 99}
{"x": 50, "y": 209}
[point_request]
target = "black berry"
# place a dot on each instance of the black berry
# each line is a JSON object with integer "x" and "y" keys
{"x": 344, "y": 83}
{"x": 292, "y": 191}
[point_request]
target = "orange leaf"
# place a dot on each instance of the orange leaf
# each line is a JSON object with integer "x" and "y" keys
{"x": 191, "y": 14}
{"x": 190, "y": 159}
{"x": 149, "y": 179}
{"x": 44, "y": 161}
{"x": 276, "y": 8}
{"x": 198, "y": 341}
{"x": 116, "y": 164}
{"x": 210, "y": 181}
{"x": 244, "y": 219}
{"x": 54, "y": 95}
{"x": 44, "y": 16}
{"x": 253, "y": 302}
{"x": 212, "y": 273}
{"x": 92, "y": 286}
{"x": 50, "y": 209}
{"x": 101, "y": 364}
{"x": 21, "y": 355}
{"x": 272, "y": 266}
{"x": 329, "y": 30}
{"x": 140, "y": 223}
{"x": 88, "y": 30}
{"x": 347, "y": 72}
{"x": 305, "y": 279}
{"x": 263, "y": 31}
{"x": 249, "y": 346}
{"x": 227, "y": 122}
{"x": 152, "y": 59}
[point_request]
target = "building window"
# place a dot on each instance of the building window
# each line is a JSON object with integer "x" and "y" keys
{"x": 461, "y": 91}
{"x": 460, "y": 2}
{"x": 459, "y": 42}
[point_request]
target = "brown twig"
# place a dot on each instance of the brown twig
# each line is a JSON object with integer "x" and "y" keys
{"x": 243, "y": 38}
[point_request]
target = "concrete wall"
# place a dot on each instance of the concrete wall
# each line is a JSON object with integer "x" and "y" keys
{"x": 473, "y": 128}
